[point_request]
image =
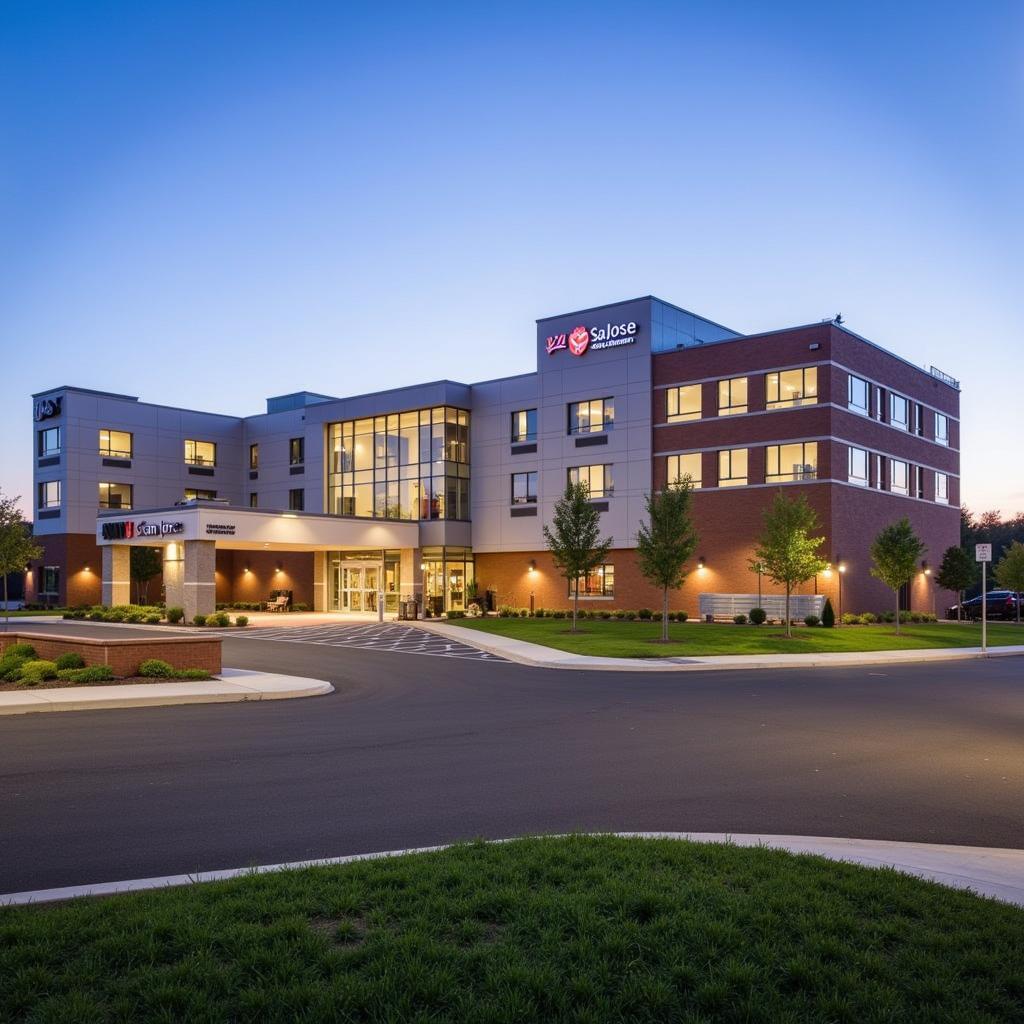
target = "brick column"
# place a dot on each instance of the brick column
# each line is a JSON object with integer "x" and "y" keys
{"x": 117, "y": 584}
{"x": 319, "y": 581}
{"x": 199, "y": 584}
{"x": 174, "y": 575}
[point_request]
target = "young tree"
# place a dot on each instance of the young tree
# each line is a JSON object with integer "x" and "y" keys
{"x": 663, "y": 547}
{"x": 786, "y": 549}
{"x": 145, "y": 563}
{"x": 896, "y": 552}
{"x": 574, "y": 539}
{"x": 957, "y": 572}
{"x": 16, "y": 546}
{"x": 1009, "y": 573}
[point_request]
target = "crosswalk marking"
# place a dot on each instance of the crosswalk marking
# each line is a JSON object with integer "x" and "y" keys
{"x": 372, "y": 636}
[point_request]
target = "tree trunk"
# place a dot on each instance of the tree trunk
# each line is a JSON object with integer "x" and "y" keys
{"x": 897, "y": 592}
{"x": 7, "y": 609}
{"x": 959, "y": 606}
{"x": 789, "y": 623}
{"x": 575, "y": 603}
{"x": 664, "y": 615}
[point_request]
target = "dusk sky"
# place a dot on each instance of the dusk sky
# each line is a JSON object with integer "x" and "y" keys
{"x": 204, "y": 204}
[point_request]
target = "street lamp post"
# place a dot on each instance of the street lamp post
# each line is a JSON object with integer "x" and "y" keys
{"x": 842, "y": 573}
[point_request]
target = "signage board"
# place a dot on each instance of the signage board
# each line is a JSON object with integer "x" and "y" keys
{"x": 983, "y": 552}
{"x": 46, "y": 408}
{"x": 582, "y": 339}
{"x": 128, "y": 529}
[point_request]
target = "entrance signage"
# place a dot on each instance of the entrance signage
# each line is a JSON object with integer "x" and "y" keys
{"x": 221, "y": 529}
{"x": 128, "y": 529}
{"x": 582, "y": 338}
{"x": 983, "y": 552}
{"x": 46, "y": 408}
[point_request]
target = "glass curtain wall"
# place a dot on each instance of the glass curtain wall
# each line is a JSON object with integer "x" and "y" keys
{"x": 355, "y": 578}
{"x": 448, "y": 580}
{"x": 410, "y": 465}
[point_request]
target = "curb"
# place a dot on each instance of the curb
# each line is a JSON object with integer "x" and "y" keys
{"x": 984, "y": 871}
{"x": 538, "y": 656}
{"x": 234, "y": 686}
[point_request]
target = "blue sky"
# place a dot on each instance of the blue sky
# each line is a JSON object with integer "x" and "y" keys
{"x": 207, "y": 203}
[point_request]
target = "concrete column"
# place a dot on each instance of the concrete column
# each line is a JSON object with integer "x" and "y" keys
{"x": 319, "y": 581}
{"x": 199, "y": 584}
{"x": 117, "y": 583}
{"x": 411, "y": 585}
{"x": 174, "y": 575}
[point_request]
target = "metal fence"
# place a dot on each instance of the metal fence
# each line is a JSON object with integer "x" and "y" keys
{"x": 725, "y": 606}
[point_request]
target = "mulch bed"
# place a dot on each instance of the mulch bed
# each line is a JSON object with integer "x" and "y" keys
{"x": 60, "y": 684}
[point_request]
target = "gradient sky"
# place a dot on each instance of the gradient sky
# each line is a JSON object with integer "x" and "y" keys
{"x": 203, "y": 204}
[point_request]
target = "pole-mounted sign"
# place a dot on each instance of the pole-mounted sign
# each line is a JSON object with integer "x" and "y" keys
{"x": 983, "y": 554}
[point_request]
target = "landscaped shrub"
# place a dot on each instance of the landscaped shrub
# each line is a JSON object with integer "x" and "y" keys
{"x": 191, "y": 673}
{"x": 154, "y": 668}
{"x": 241, "y": 620}
{"x": 68, "y": 615}
{"x": 175, "y": 614}
{"x": 758, "y": 616}
{"x": 656, "y": 616}
{"x": 740, "y": 619}
{"x": 24, "y": 651}
{"x": 152, "y": 620}
{"x": 828, "y": 615}
{"x": 868, "y": 618}
{"x": 300, "y": 607}
{"x": 34, "y": 672}
{"x": 114, "y": 615}
{"x": 199, "y": 620}
{"x": 645, "y": 613}
{"x": 90, "y": 674}
{"x": 851, "y": 619}
{"x": 506, "y": 611}
{"x": 558, "y": 613}
{"x": 929, "y": 617}
{"x": 70, "y": 659}
{"x": 96, "y": 615}
{"x": 134, "y": 617}
{"x": 682, "y": 616}
{"x": 220, "y": 619}
{"x": 456, "y": 614}
{"x": 630, "y": 615}
{"x": 811, "y": 620}
{"x": 10, "y": 667}
{"x": 887, "y": 616}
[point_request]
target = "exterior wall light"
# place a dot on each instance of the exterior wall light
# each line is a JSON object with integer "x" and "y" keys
{"x": 842, "y": 567}
{"x": 926, "y": 568}
{"x": 533, "y": 565}
{"x": 702, "y": 564}
{"x": 827, "y": 572}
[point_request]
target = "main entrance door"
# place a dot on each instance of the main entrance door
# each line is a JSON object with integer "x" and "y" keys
{"x": 356, "y": 586}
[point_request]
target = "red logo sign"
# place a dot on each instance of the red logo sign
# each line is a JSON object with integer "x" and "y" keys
{"x": 579, "y": 339}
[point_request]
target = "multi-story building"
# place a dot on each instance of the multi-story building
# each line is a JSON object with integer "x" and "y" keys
{"x": 433, "y": 490}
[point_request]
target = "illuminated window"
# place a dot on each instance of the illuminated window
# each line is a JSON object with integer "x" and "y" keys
{"x": 597, "y": 479}
{"x": 791, "y": 462}
{"x": 200, "y": 453}
{"x": 296, "y": 451}
{"x": 942, "y": 488}
{"x": 787, "y": 388}
{"x": 680, "y": 466}
{"x": 857, "y": 468}
{"x": 49, "y": 441}
{"x": 941, "y": 428}
{"x": 195, "y": 494}
{"x": 524, "y": 425}
{"x": 599, "y": 582}
{"x": 524, "y": 488}
{"x": 683, "y": 403}
{"x": 857, "y": 392}
{"x": 49, "y": 494}
{"x": 732, "y": 467}
{"x": 115, "y": 495}
{"x": 254, "y": 456}
{"x": 732, "y": 396}
{"x": 899, "y": 477}
{"x": 591, "y": 417}
{"x": 116, "y": 444}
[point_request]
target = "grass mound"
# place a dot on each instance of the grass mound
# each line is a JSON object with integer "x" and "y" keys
{"x": 578, "y": 929}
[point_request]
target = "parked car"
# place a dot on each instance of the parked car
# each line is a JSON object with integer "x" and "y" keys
{"x": 1002, "y": 604}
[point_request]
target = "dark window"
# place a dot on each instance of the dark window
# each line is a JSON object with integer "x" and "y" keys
{"x": 254, "y": 456}
{"x": 49, "y": 441}
{"x": 50, "y": 582}
{"x": 524, "y": 488}
{"x": 297, "y": 451}
{"x": 524, "y": 425}
{"x": 49, "y": 494}
{"x": 297, "y": 499}
{"x": 253, "y": 500}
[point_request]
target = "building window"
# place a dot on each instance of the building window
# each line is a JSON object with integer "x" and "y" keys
{"x": 193, "y": 494}
{"x": 899, "y": 477}
{"x": 410, "y": 465}
{"x": 49, "y": 494}
{"x": 941, "y": 429}
{"x": 524, "y": 488}
{"x": 116, "y": 444}
{"x": 787, "y": 388}
{"x": 49, "y": 441}
{"x": 115, "y": 495}
{"x": 254, "y": 456}
{"x": 877, "y": 479}
{"x": 917, "y": 481}
{"x": 597, "y": 480}
{"x": 683, "y": 403}
{"x": 792, "y": 462}
{"x": 297, "y": 499}
{"x": 253, "y": 499}
{"x": 898, "y": 412}
{"x": 732, "y": 467}
{"x": 591, "y": 417}
{"x": 942, "y": 488}
{"x": 297, "y": 451}
{"x": 200, "y": 453}
{"x": 857, "y": 395}
{"x": 599, "y": 582}
{"x": 680, "y": 466}
{"x": 732, "y": 396}
{"x": 49, "y": 585}
{"x": 918, "y": 418}
{"x": 857, "y": 468}
{"x": 524, "y": 425}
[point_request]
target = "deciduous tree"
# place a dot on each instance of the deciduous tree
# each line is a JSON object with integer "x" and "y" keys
{"x": 958, "y": 571}
{"x": 896, "y": 552}
{"x": 1009, "y": 572}
{"x": 17, "y": 548}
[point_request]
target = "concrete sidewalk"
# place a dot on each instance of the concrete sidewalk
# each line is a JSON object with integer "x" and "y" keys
{"x": 233, "y": 685}
{"x": 539, "y": 656}
{"x": 996, "y": 873}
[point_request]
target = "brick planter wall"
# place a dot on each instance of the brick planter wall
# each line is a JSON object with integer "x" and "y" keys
{"x": 125, "y": 656}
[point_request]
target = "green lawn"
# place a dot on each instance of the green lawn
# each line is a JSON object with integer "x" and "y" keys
{"x": 24, "y": 613}
{"x": 578, "y": 929}
{"x": 622, "y": 639}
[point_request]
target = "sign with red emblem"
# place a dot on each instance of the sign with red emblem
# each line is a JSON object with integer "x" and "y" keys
{"x": 581, "y": 338}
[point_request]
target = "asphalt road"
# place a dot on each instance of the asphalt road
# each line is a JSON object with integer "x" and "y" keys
{"x": 414, "y": 750}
